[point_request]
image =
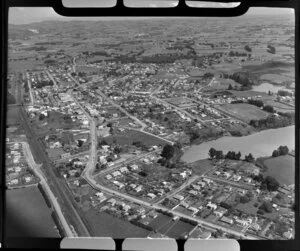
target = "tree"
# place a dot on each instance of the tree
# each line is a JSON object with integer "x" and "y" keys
{"x": 230, "y": 87}
{"x": 212, "y": 152}
{"x": 283, "y": 150}
{"x": 249, "y": 158}
{"x": 270, "y": 183}
{"x": 269, "y": 108}
{"x": 219, "y": 155}
{"x": 266, "y": 206}
{"x": 238, "y": 156}
{"x": 168, "y": 151}
{"x": 275, "y": 153}
{"x": 247, "y": 48}
{"x": 42, "y": 116}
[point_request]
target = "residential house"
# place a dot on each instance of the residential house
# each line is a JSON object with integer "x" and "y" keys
{"x": 139, "y": 188}
{"x": 178, "y": 197}
{"x": 151, "y": 195}
{"x": 124, "y": 169}
{"x": 211, "y": 206}
{"x": 208, "y": 181}
{"x": 220, "y": 212}
{"x": 226, "y": 220}
{"x": 193, "y": 209}
{"x": 236, "y": 178}
{"x": 134, "y": 167}
{"x": 193, "y": 192}
{"x": 242, "y": 223}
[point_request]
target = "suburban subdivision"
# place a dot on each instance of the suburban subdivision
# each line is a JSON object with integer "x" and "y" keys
{"x": 163, "y": 127}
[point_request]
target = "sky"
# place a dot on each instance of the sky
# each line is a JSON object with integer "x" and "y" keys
{"x": 26, "y": 15}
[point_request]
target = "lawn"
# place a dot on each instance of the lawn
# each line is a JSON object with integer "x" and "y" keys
{"x": 281, "y": 168}
{"x": 201, "y": 166}
{"x": 245, "y": 112}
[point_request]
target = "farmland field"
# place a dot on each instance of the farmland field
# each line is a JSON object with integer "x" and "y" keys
{"x": 245, "y": 112}
{"x": 12, "y": 116}
{"x": 28, "y": 214}
{"x": 281, "y": 168}
{"x": 105, "y": 225}
{"x": 179, "y": 228}
{"x": 129, "y": 136}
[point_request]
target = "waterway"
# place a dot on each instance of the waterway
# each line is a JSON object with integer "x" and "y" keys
{"x": 260, "y": 144}
{"x": 266, "y": 87}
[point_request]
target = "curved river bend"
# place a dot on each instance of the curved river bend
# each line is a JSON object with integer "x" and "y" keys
{"x": 259, "y": 144}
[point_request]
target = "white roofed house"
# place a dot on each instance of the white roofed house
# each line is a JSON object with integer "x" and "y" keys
{"x": 208, "y": 181}
{"x": 211, "y": 206}
{"x": 178, "y": 197}
{"x": 139, "y": 188}
{"x": 236, "y": 178}
{"x": 219, "y": 212}
{"x": 242, "y": 223}
{"x": 151, "y": 195}
{"x": 124, "y": 169}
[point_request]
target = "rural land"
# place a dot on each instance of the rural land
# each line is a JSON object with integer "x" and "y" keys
{"x": 171, "y": 127}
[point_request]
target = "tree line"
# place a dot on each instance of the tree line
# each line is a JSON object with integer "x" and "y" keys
{"x": 217, "y": 154}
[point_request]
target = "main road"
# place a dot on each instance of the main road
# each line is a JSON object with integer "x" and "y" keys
{"x": 60, "y": 189}
{"x": 36, "y": 169}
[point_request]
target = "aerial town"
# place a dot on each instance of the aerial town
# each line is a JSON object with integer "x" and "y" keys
{"x": 124, "y": 129}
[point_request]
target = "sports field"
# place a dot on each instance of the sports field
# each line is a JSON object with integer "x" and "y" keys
{"x": 245, "y": 112}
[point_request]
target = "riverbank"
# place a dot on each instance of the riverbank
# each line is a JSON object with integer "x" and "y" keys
{"x": 261, "y": 143}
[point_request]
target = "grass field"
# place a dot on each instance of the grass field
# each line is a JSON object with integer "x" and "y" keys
{"x": 201, "y": 166}
{"x": 12, "y": 116}
{"x": 281, "y": 168}
{"x": 178, "y": 229}
{"x": 245, "y": 112}
{"x": 105, "y": 225}
{"x": 28, "y": 214}
{"x": 129, "y": 136}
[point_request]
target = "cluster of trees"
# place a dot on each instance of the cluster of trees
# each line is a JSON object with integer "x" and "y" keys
{"x": 256, "y": 102}
{"x": 204, "y": 134}
{"x": 243, "y": 78}
{"x": 247, "y": 48}
{"x": 233, "y": 155}
{"x": 268, "y": 183}
{"x": 284, "y": 93}
{"x": 271, "y": 49}
{"x": 266, "y": 206}
{"x": 281, "y": 150}
{"x": 41, "y": 84}
{"x": 247, "y": 197}
{"x": 215, "y": 154}
{"x": 237, "y": 54}
{"x": 269, "y": 108}
{"x": 171, "y": 155}
{"x": 271, "y": 122}
{"x": 50, "y": 61}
